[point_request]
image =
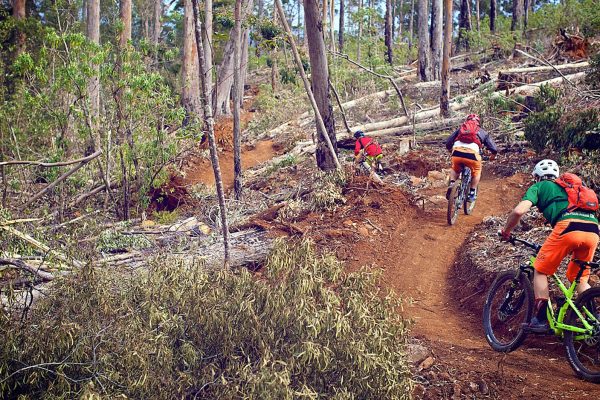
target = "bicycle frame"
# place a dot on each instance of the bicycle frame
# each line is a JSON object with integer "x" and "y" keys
{"x": 556, "y": 321}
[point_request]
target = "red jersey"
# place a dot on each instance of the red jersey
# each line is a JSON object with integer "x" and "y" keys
{"x": 372, "y": 148}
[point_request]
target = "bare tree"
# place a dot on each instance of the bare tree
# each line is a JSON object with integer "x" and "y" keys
{"x": 464, "y": 25}
{"x": 209, "y": 126}
{"x": 360, "y": 30}
{"x": 424, "y": 68}
{"x": 493, "y": 13}
{"x": 341, "y": 27}
{"x": 445, "y": 92}
{"x": 189, "y": 64}
{"x": 326, "y": 146}
{"x": 411, "y": 25}
{"x": 125, "y": 15}
{"x": 237, "y": 160}
{"x": 517, "y": 15}
{"x": 477, "y": 16}
{"x": 388, "y": 32}
{"x": 18, "y": 13}
{"x": 208, "y": 40}
{"x": 437, "y": 22}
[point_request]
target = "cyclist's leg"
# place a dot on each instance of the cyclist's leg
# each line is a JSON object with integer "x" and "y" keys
{"x": 553, "y": 251}
{"x": 585, "y": 244}
{"x": 456, "y": 168}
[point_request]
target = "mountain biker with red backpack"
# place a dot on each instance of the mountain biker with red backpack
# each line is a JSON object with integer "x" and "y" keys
{"x": 466, "y": 144}
{"x": 367, "y": 150}
{"x": 570, "y": 208}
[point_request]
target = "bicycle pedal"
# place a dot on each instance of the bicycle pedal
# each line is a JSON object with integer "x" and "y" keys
{"x": 536, "y": 330}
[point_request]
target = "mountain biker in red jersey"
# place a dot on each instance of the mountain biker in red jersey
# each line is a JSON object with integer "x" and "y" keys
{"x": 466, "y": 144}
{"x": 575, "y": 231}
{"x": 367, "y": 150}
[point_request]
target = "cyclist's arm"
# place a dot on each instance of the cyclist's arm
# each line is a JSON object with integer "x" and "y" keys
{"x": 357, "y": 148}
{"x": 450, "y": 141}
{"x": 487, "y": 141}
{"x": 515, "y": 216}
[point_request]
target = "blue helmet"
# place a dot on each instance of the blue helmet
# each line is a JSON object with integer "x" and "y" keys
{"x": 359, "y": 134}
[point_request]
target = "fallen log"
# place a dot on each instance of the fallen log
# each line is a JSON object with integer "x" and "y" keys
{"x": 545, "y": 68}
{"x": 39, "y": 276}
{"x": 56, "y": 164}
{"x": 425, "y": 126}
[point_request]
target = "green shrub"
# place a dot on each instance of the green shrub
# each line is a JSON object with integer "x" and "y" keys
{"x": 539, "y": 128}
{"x": 303, "y": 329}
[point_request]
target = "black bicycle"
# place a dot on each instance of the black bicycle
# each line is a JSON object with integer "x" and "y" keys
{"x": 458, "y": 197}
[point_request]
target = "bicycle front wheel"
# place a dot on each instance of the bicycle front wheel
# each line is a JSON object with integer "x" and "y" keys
{"x": 583, "y": 350}
{"x": 509, "y": 304}
{"x": 454, "y": 203}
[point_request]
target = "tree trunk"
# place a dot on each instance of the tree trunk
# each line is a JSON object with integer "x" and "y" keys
{"x": 332, "y": 24}
{"x": 261, "y": 8}
{"x": 320, "y": 87}
{"x": 411, "y": 25}
{"x": 209, "y": 125}
{"x": 189, "y": 64}
{"x": 464, "y": 25}
{"x": 157, "y": 25}
{"x": 477, "y": 14}
{"x": 19, "y": 14}
{"x": 341, "y": 28}
{"x": 526, "y": 14}
{"x": 93, "y": 34}
{"x": 437, "y": 23}
{"x": 125, "y": 15}
{"x": 493, "y": 13}
{"x": 274, "y": 75}
{"x": 360, "y": 30}
{"x": 245, "y": 39}
{"x": 237, "y": 142}
{"x": 324, "y": 16}
{"x": 445, "y": 92}
{"x": 424, "y": 69}
{"x": 400, "y": 19}
{"x": 388, "y": 32}
{"x": 207, "y": 31}
{"x": 393, "y": 20}
{"x": 517, "y": 15}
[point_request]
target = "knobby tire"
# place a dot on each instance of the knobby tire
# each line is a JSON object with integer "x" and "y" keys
{"x": 506, "y": 309}
{"x": 584, "y": 354}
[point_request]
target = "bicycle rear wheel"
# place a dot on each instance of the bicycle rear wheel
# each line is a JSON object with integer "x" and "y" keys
{"x": 583, "y": 350}
{"x": 454, "y": 203}
{"x": 509, "y": 304}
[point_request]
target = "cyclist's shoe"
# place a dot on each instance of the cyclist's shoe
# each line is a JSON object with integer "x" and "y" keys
{"x": 472, "y": 196}
{"x": 450, "y": 187}
{"x": 537, "y": 326}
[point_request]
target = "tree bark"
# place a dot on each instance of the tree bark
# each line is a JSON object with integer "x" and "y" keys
{"x": 424, "y": 69}
{"x": 19, "y": 14}
{"x": 274, "y": 74}
{"x": 341, "y": 28}
{"x": 517, "y": 15}
{"x": 388, "y": 32}
{"x": 445, "y": 92}
{"x": 237, "y": 143}
{"x": 493, "y": 13}
{"x": 400, "y": 19}
{"x": 326, "y": 147}
{"x": 526, "y": 14}
{"x": 245, "y": 44}
{"x": 208, "y": 46}
{"x": 331, "y": 24}
{"x": 189, "y": 65}
{"x": 437, "y": 22}
{"x": 477, "y": 14}
{"x": 464, "y": 25}
{"x": 93, "y": 34}
{"x": 157, "y": 24}
{"x": 411, "y": 25}
{"x": 209, "y": 125}
{"x": 360, "y": 29}
{"x": 125, "y": 15}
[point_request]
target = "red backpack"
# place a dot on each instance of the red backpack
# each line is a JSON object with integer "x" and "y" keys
{"x": 468, "y": 132}
{"x": 580, "y": 197}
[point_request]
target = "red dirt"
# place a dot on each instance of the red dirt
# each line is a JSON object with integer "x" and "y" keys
{"x": 199, "y": 170}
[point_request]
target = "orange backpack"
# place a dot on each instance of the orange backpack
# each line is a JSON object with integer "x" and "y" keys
{"x": 580, "y": 197}
{"x": 468, "y": 133}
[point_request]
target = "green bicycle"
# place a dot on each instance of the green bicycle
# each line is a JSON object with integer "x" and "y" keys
{"x": 509, "y": 306}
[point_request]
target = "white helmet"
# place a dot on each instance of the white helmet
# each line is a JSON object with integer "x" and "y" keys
{"x": 546, "y": 168}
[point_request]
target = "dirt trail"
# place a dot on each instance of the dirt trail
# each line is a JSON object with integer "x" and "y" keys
{"x": 418, "y": 255}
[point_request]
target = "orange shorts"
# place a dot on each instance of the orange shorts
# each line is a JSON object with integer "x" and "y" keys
{"x": 465, "y": 157}
{"x": 570, "y": 236}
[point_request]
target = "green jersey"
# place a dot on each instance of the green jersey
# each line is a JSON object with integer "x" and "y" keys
{"x": 552, "y": 201}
